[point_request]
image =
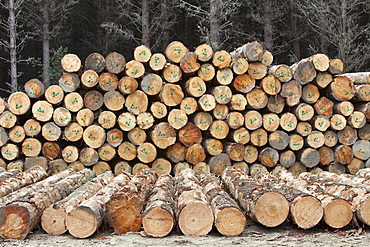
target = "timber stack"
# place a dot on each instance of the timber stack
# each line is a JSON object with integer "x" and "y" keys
{"x": 269, "y": 131}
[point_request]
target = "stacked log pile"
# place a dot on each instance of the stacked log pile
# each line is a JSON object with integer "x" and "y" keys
{"x": 201, "y": 109}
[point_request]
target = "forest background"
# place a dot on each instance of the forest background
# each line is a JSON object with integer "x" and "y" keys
{"x": 35, "y": 34}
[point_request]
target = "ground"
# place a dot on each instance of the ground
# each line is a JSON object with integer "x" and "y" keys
{"x": 253, "y": 235}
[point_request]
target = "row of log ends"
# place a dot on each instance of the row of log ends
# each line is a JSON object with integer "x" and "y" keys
{"x": 80, "y": 202}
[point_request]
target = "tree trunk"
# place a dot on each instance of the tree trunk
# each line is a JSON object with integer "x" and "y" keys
{"x": 13, "y": 47}
{"x": 87, "y": 217}
{"x": 214, "y": 27}
{"x": 45, "y": 43}
{"x": 24, "y": 214}
{"x": 158, "y": 216}
{"x": 53, "y": 219}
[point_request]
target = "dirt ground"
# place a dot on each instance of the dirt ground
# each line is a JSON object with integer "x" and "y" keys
{"x": 253, "y": 235}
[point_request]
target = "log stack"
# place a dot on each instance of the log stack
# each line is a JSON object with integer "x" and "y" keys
{"x": 200, "y": 108}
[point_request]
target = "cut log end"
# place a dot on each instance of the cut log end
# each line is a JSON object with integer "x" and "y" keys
{"x": 306, "y": 211}
{"x": 82, "y": 222}
{"x": 53, "y": 221}
{"x": 158, "y": 222}
{"x": 271, "y": 209}
{"x": 16, "y": 224}
{"x": 230, "y": 221}
{"x": 196, "y": 218}
{"x": 338, "y": 213}
{"x": 363, "y": 212}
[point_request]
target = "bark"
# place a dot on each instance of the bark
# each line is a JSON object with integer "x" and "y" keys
{"x": 46, "y": 43}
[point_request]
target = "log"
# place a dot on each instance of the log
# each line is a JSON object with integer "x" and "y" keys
{"x": 238, "y": 102}
{"x": 54, "y": 94}
{"x": 219, "y": 163}
{"x": 338, "y": 122}
{"x": 151, "y": 84}
{"x": 8, "y": 174}
{"x": 257, "y": 98}
{"x": 201, "y": 167}
{"x": 240, "y": 65}
{"x": 357, "y": 120}
{"x": 355, "y": 165}
{"x": 347, "y": 136}
{"x": 304, "y": 128}
{"x": 190, "y": 134}
{"x": 259, "y": 137}
{"x": 213, "y": 146}
{"x": 88, "y": 156}
{"x": 242, "y": 166}
{"x": 73, "y": 132}
{"x": 257, "y": 70}
{"x": 177, "y": 119}
{"x": 235, "y": 120}
{"x": 107, "y": 119}
{"x": 146, "y": 152}
{"x": 21, "y": 179}
{"x": 159, "y": 216}
{"x": 34, "y": 88}
{"x": 70, "y": 154}
{"x": 145, "y": 120}
{"x": 240, "y": 135}
{"x": 115, "y": 63}
{"x": 158, "y": 110}
{"x": 163, "y": 135}
{"x": 221, "y": 59}
{"x": 326, "y": 156}
{"x": 292, "y": 92}
{"x": 122, "y": 167}
{"x": 323, "y": 79}
{"x": 114, "y": 137}
{"x": 189, "y": 105}
{"x": 95, "y": 62}
{"x": 229, "y": 218}
{"x": 27, "y": 211}
{"x": 309, "y": 157}
{"x": 282, "y": 72}
{"x": 56, "y": 166}
{"x": 267, "y": 58}
{"x": 202, "y": 120}
{"x": 362, "y": 93}
{"x": 85, "y": 117}
{"x": 8, "y": 119}
{"x": 275, "y": 104}
{"x": 342, "y": 88}
{"x": 139, "y": 167}
{"x": 220, "y": 112}
{"x": 93, "y": 100}
{"x": 288, "y": 121}
{"x": 89, "y": 215}
{"x": 303, "y": 112}
{"x": 207, "y": 72}
{"x": 176, "y": 152}
{"x": 343, "y": 154}
{"x": 51, "y": 150}
{"x": 219, "y": 129}
{"x": 101, "y": 167}
{"x": 287, "y": 158}
{"x": 16, "y": 164}
{"x": 195, "y": 154}
{"x": 108, "y": 81}
{"x": 172, "y": 73}
{"x": 16, "y": 135}
{"x": 204, "y": 52}
{"x": 142, "y": 53}
{"x": 171, "y": 95}
{"x": 161, "y": 166}
{"x": 134, "y": 69}
{"x": 130, "y": 201}
{"x": 42, "y": 110}
{"x": 303, "y": 71}
{"x": 127, "y": 85}
{"x": 252, "y": 51}
{"x": 189, "y": 63}
{"x": 126, "y": 121}
{"x": 69, "y": 82}
{"x": 31, "y": 147}
{"x": 324, "y": 106}
{"x": 51, "y": 132}
{"x": 114, "y": 100}
{"x": 175, "y": 51}
{"x": 127, "y": 151}
{"x": 35, "y": 161}
{"x": 364, "y": 132}
{"x": 224, "y": 76}
{"x": 244, "y": 83}
{"x": 271, "y": 85}
{"x": 194, "y": 214}
{"x": 278, "y": 140}
{"x": 53, "y": 219}
{"x": 269, "y": 157}
{"x": 73, "y": 102}
{"x": 207, "y": 102}
{"x": 315, "y": 139}
{"x": 359, "y": 77}
{"x": 10, "y": 151}
{"x": 269, "y": 208}
{"x": 136, "y": 136}
{"x": 62, "y": 117}
{"x": 222, "y": 94}
{"x": 336, "y": 66}
{"x": 71, "y": 63}
{"x": 310, "y": 93}
{"x": 344, "y": 108}
{"x": 157, "y": 61}
{"x": 257, "y": 168}
{"x": 89, "y": 79}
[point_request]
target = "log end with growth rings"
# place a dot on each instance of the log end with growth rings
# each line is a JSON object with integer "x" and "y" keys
{"x": 82, "y": 222}
{"x": 158, "y": 222}
{"x": 230, "y": 221}
{"x": 306, "y": 211}
{"x": 53, "y": 221}
{"x": 196, "y": 218}
{"x": 338, "y": 213}
{"x": 16, "y": 222}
